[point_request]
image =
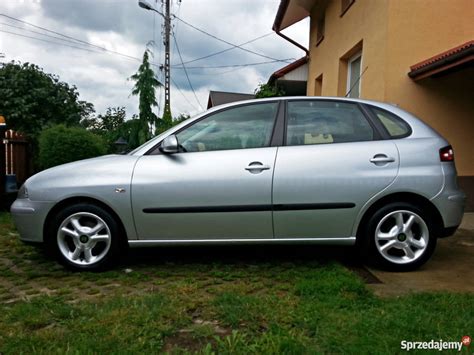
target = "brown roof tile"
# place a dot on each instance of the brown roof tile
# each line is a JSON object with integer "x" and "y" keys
{"x": 443, "y": 55}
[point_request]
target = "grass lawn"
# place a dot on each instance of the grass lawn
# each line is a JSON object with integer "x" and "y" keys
{"x": 209, "y": 303}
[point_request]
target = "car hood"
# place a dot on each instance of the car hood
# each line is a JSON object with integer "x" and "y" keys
{"x": 81, "y": 176}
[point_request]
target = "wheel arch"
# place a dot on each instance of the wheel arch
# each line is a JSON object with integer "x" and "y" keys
{"x": 409, "y": 197}
{"x": 70, "y": 201}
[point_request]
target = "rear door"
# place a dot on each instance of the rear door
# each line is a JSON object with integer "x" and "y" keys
{"x": 334, "y": 160}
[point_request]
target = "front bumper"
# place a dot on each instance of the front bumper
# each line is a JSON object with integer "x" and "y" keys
{"x": 29, "y": 217}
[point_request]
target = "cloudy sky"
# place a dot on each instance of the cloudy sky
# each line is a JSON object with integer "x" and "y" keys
{"x": 122, "y": 27}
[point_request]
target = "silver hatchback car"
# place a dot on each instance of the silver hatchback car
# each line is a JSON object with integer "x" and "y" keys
{"x": 280, "y": 170}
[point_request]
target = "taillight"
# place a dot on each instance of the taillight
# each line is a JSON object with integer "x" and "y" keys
{"x": 446, "y": 154}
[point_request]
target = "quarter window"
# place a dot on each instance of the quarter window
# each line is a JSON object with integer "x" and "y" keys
{"x": 322, "y": 122}
{"x": 395, "y": 126}
{"x": 241, "y": 127}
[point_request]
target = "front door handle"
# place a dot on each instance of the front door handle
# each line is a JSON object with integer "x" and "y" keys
{"x": 256, "y": 167}
{"x": 381, "y": 159}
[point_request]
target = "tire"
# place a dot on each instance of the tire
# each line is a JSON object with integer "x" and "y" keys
{"x": 399, "y": 237}
{"x": 84, "y": 237}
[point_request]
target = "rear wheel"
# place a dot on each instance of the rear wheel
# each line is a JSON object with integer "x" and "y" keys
{"x": 400, "y": 237}
{"x": 84, "y": 237}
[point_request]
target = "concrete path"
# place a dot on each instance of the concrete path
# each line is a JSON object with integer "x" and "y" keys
{"x": 450, "y": 269}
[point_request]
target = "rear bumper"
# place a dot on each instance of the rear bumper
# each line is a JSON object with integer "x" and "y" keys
{"x": 450, "y": 204}
{"x": 29, "y": 217}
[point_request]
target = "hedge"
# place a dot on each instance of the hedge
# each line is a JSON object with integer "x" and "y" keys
{"x": 60, "y": 144}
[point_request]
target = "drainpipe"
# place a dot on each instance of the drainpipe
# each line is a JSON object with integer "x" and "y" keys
{"x": 293, "y": 42}
{"x": 277, "y": 25}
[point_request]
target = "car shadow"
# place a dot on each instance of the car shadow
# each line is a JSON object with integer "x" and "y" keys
{"x": 241, "y": 254}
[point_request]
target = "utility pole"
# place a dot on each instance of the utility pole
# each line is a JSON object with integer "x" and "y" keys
{"x": 167, "y": 108}
{"x": 166, "y": 40}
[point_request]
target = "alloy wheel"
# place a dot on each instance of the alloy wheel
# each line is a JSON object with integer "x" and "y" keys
{"x": 402, "y": 237}
{"x": 84, "y": 238}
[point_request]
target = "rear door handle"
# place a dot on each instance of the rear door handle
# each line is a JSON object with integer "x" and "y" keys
{"x": 256, "y": 166}
{"x": 381, "y": 158}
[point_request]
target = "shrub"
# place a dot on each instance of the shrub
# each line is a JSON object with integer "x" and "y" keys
{"x": 60, "y": 144}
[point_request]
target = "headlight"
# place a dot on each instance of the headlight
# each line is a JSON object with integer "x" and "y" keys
{"x": 22, "y": 192}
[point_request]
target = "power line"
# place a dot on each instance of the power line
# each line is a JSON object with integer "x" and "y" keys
{"x": 75, "y": 42}
{"x": 51, "y": 31}
{"x": 182, "y": 94}
{"x": 229, "y": 65}
{"x": 136, "y": 58}
{"x": 184, "y": 68}
{"x": 229, "y": 43}
{"x": 37, "y": 32}
{"x": 79, "y": 41}
{"x": 75, "y": 47}
{"x": 220, "y": 72}
{"x": 45, "y": 40}
{"x": 228, "y": 49}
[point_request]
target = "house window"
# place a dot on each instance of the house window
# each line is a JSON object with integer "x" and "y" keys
{"x": 320, "y": 28}
{"x": 345, "y": 5}
{"x": 353, "y": 76}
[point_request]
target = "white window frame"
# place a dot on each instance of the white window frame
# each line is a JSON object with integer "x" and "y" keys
{"x": 349, "y": 71}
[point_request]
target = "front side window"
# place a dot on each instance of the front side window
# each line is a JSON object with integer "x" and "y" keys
{"x": 322, "y": 122}
{"x": 236, "y": 128}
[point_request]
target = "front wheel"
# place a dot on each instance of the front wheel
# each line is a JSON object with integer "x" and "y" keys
{"x": 84, "y": 237}
{"x": 401, "y": 237}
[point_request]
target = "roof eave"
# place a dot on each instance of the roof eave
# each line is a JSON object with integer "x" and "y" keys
{"x": 445, "y": 61}
{"x": 287, "y": 69}
{"x": 280, "y": 14}
{"x": 290, "y": 12}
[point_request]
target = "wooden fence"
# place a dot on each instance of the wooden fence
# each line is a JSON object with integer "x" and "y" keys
{"x": 17, "y": 157}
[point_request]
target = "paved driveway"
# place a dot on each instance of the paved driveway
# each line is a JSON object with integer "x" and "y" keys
{"x": 450, "y": 269}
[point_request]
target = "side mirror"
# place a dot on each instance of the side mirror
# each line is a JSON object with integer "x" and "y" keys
{"x": 169, "y": 145}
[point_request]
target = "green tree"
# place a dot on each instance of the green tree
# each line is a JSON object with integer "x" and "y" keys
{"x": 132, "y": 132}
{"x": 109, "y": 126}
{"x": 31, "y": 100}
{"x": 145, "y": 87}
{"x": 166, "y": 123}
{"x": 267, "y": 90}
{"x": 60, "y": 144}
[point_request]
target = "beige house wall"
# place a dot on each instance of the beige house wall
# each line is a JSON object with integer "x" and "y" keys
{"x": 365, "y": 22}
{"x": 396, "y": 34}
{"x": 418, "y": 30}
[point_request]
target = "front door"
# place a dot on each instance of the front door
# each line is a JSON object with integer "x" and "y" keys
{"x": 218, "y": 187}
{"x": 333, "y": 163}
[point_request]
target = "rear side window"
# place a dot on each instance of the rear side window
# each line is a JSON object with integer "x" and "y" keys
{"x": 395, "y": 126}
{"x": 322, "y": 122}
